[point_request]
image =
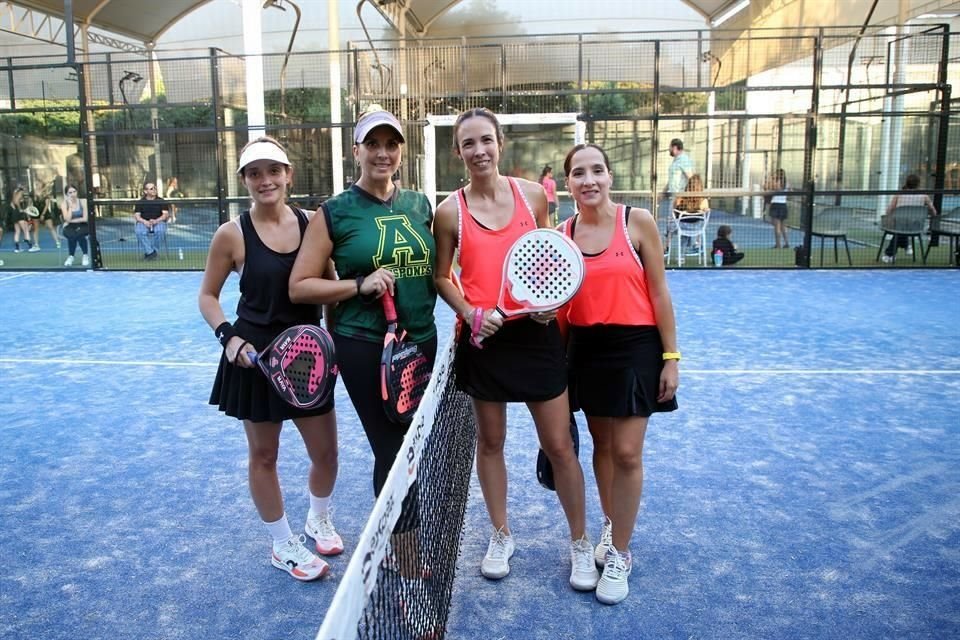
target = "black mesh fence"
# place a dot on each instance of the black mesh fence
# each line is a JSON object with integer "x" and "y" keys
{"x": 847, "y": 118}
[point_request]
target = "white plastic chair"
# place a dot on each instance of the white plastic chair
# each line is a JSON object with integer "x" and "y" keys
{"x": 688, "y": 225}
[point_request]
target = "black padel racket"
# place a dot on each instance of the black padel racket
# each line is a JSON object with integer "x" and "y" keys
{"x": 545, "y": 469}
{"x": 404, "y": 369}
{"x": 301, "y": 365}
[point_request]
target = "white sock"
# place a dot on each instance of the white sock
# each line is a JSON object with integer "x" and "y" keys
{"x": 318, "y": 505}
{"x": 280, "y": 530}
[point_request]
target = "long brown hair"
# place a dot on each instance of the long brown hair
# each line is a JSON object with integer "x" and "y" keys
{"x": 691, "y": 203}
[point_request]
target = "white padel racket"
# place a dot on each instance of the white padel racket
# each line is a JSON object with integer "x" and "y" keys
{"x": 543, "y": 271}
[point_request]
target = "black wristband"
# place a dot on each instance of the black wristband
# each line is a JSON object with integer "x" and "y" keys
{"x": 360, "y": 280}
{"x": 224, "y": 332}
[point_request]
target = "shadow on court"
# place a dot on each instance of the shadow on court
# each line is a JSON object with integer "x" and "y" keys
{"x": 806, "y": 488}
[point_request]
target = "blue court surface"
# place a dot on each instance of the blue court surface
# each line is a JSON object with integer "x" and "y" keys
{"x": 809, "y": 486}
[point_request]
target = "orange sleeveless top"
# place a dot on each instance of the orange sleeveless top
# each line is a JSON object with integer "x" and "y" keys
{"x": 482, "y": 251}
{"x": 614, "y": 287}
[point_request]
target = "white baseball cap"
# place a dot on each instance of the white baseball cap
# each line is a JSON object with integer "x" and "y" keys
{"x": 262, "y": 150}
{"x": 370, "y": 121}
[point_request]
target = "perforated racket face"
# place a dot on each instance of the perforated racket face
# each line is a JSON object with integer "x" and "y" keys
{"x": 302, "y": 367}
{"x": 408, "y": 378}
{"x": 543, "y": 271}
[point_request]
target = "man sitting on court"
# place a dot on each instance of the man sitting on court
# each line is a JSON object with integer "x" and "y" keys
{"x": 151, "y": 214}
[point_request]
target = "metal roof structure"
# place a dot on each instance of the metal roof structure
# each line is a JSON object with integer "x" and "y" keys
{"x": 146, "y": 22}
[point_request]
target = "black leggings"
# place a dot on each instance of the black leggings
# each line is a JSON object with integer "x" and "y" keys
{"x": 76, "y": 234}
{"x": 359, "y": 363}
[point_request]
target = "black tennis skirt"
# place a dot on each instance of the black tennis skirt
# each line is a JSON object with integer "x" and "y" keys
{"x": 615, "y": 371}
{"x": 246, "y": 394}
{"x": 522, "y": 362}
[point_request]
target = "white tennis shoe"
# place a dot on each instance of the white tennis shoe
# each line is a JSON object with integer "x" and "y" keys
{"x": 606, "y": 541}
{"x": 296, "y": 559}
{"x": 496, "y": 564}
{"x": 320, "y": 528}
{"x": 583, "y": 571}
{"x": 613, "y": 586}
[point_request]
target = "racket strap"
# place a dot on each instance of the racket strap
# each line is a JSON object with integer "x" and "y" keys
{"x": 475, "y": 327}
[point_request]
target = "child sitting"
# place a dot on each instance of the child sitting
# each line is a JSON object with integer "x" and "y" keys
{"x": 723, "y": 243}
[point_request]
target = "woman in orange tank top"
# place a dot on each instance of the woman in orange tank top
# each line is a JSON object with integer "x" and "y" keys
{"x": 520, "y": 360}
{"x": 622, "y": 349}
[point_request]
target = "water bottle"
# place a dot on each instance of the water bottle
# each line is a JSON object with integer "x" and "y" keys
{"x": 718, "y": 258}
{"x": 180, "y": 253}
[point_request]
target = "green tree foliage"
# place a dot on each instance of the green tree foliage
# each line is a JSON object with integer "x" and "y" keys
{"x": 48, "y": 118}
{"x": 301, "y": 104}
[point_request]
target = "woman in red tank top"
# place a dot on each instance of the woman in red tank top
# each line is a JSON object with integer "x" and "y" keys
{"x": 622, "y": 349}
{"x": 521, "y": 360}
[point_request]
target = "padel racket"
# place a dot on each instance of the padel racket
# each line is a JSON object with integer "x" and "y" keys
{"x": 543, "y": 271}
{"x": 301, "y": 365}
{"x": 545, "y": 469}
{"x": 404, "y": 369}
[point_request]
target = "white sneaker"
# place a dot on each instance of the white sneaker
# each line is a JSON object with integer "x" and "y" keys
{"x": 909, "y": 250}
{"x": 320, "y": 528}
{"x": 606, "y": 541}
{"x": 34, "y": 248}
{"x": 583, "y": 571}
{"x": 887, "y": 259}
{"x": 496, "y": 564}
{"x": 85, "y": 260}
{"x": 295, "y": 559}
{"x": 68, "y": 262}
{"x": 613, "y": 587}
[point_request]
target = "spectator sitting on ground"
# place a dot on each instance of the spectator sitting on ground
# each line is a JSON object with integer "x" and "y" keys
{"x": 725, "y": 245}
{"x": 151, "y": 214}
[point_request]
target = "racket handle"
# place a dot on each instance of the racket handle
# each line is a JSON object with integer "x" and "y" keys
{"x": 254, "y": 356}
{"x": 496, "y": 312}
{"x": 389, "y": 308}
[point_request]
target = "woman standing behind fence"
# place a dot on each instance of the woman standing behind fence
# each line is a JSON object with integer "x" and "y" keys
{"x": 75, "y": 226}
{"x": 522, "y": 359}
{"x": 261, "y": 245}
{"x": 622, "y": 349}
{"x": 778, "y": 187}
{"x": 550, "y": 188}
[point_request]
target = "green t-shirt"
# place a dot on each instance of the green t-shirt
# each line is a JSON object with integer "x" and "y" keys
{"x": 369, "y": 234}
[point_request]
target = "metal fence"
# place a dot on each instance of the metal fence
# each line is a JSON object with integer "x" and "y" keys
{"x": 847, "y": 116}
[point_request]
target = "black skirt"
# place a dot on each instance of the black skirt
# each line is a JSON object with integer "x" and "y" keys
{"x": 615, "y": 371}
{"x": 522, "y": 362}
{"x": 244, "y": 393}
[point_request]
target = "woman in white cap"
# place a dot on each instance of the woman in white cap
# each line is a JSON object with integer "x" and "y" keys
{"x": 379, "y": 238}
{"x": 261, "y": 246}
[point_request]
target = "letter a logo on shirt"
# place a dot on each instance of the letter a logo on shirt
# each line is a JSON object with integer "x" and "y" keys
{"x": 400, "y": 244}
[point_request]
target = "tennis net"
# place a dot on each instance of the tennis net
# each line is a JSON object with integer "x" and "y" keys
{"x": 399, "y": 581}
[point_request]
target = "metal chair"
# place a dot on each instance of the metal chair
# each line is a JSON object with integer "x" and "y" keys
{"x": 691, "y": 225}
{"x": 829, "y": 223}
{"x": 909, "y": 221}
{"x": 947, "y": 225}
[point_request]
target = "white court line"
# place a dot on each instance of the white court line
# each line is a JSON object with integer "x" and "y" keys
{"x": 825, "y": 372}
{"x": 14, "y": 275}
{"x": 708, "y": 372}
{"x": 107, "y": 363}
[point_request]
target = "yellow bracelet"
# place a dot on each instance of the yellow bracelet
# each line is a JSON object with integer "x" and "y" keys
{"x": 671, "y": 355}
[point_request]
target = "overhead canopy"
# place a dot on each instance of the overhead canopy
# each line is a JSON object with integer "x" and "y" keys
{"x": 146, "y": 22}
{"x": 142, "y": 21}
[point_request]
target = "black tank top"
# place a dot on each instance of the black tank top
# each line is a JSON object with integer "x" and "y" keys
{"x": 264, "y": 293}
